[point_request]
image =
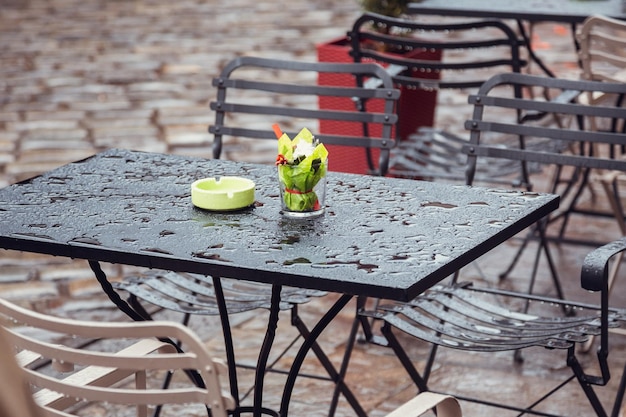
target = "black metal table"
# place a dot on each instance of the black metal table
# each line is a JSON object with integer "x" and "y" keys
{"x": 571, "y": 12}
{"x": 563, "y": 11}
{"x": 380, "y": 237}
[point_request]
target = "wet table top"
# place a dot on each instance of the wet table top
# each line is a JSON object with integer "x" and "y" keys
{"x": 565, "y": 11}
{"x": 383, "y": 237}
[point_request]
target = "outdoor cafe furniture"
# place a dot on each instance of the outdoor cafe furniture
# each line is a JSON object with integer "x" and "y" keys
{"x": 122, "y": 368}
{"x": 602, "y": 57}
{"x": 574, "y": 133}
{"x": 564, "y": 11}
{"x": 457, "y": 316}
{"x": 92, "y": 359}
{"x": 602, "y": 44}
{"x": 469, "y": 52}
{"x": 362, "y": 117}
{"x": 250, "y": 91}
{"x": 379, "y": 237}
{"x": 572, "y": 12}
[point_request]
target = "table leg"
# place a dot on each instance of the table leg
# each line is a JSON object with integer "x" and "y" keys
{"x": 113, "y": 296}
{"x": 265, "y": 350}
{"x": 228, "y": 339}
{"x": 310, "y": 342}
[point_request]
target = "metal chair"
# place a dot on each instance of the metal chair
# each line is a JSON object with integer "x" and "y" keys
{"x": 601, "y": 49}
{"x": 602, "y": 57}
{"x": 252, "y": 95}
{"x": 464, "y": 316}
{"x": 491, "y": 106}
{"x": 470, "y": 51}
{"x": 118, "y": 367}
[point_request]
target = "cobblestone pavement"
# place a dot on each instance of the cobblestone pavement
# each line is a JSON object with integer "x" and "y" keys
{"x": 79, "y": 76}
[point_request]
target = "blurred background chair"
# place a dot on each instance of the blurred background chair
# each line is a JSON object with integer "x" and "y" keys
{"x": 494, "y": 116}
{"x": 601, "y": 49}
{"x": 252, "y": 95}
{"x": 470, "y": 52}
{"x": 463, "y": 54}
{"x": 602, "y": 56}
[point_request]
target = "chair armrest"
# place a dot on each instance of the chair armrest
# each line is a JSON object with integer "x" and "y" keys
{"x": 446, "y": 406}
{"x": 594, "y": 274}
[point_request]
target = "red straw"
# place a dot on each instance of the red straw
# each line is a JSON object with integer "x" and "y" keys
{"x": 277, "y": 130}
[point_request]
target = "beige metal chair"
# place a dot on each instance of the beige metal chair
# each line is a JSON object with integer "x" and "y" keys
{"x": 15, "y": 396}
{"x": 444, "y": 405}
{"x": 602, "y": 56}
{"x": 117, "y": 370}
{"x": 602, "y": 52}
{"x": 78, "y": 375}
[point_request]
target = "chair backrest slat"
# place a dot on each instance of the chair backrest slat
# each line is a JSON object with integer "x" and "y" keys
{"x": 576, "y": 134}
{"x": 602, "y": 51}
{"x": 341, "y": 115}
{"x": 318, "y": 90}
{"x": 254, "y": 93}
{"x": 486, "y": 45}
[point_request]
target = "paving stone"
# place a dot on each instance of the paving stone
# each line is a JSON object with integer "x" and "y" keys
{"x": 182, "y": 116}
{"x": 29, "y": 291}
{"x": 16, "y": 273}
{"x": 57, "y": 115}
{"x": 30, "y": 148}
{"x": 186, "y": 136}
{"x": 58, "y": 155}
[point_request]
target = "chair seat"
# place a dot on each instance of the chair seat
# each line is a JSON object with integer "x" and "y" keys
{"x": 462, "y": 317}
{"x": 432, "y": 154}
{"x": 195, "y": 294}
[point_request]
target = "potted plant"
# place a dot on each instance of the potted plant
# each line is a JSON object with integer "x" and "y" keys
{"x": 392, "y": 8}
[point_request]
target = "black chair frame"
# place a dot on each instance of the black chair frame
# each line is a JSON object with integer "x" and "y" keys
{"x": 452, "y": 316}
{"x": 461, "y": 321}
{"x": 432, "y": 153}
{"x": 360, "y": 94}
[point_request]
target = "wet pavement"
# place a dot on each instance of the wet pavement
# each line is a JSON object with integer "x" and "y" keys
{"x": 79, "y": 77}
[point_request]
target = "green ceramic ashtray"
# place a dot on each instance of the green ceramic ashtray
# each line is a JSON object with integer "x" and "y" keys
{"x": 222, "y": 194}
